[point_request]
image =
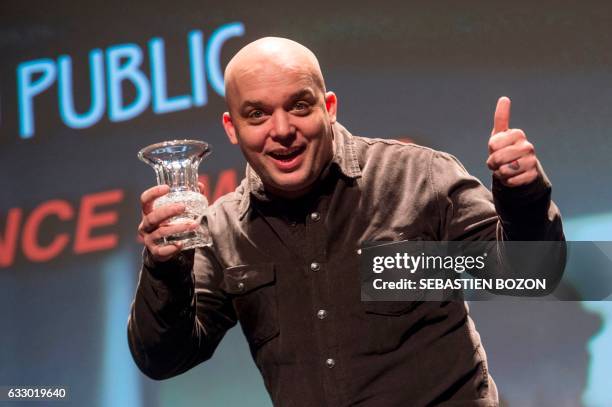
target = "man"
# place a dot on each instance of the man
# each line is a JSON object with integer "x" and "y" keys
{"x": 285, "y": 256}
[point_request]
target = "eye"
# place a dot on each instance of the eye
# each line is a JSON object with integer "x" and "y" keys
{"x": 256, "y": 114}
{"x": 301, "y": 107}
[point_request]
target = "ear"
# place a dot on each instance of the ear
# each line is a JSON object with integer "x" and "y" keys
{"x": 331, "y": 104}
{"x": 230, "y": 130}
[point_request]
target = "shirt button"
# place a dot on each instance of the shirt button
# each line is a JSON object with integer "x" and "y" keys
{"x": 315, "y": 216}
{"x": 314, "y": 266}
{"x": 321, "y": 314}
{"x": 241, "y": 286}
{"x": 330, "y": 363}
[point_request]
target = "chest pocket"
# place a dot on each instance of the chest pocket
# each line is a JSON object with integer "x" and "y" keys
{"x": 389, "y": 308}
{"x": 388, "y": 325}
{"x": 253, "y": 292}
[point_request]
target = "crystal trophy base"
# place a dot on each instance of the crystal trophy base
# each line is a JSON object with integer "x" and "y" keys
{"x": 195, "y": 207}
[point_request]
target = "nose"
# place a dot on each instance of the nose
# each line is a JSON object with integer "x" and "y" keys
{"x": 282, "y": 127}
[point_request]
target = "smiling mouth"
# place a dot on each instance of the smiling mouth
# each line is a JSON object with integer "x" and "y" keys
{"x": 286, "y": 155}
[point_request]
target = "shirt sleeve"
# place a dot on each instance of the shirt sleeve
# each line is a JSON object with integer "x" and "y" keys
{"x": 527, "y": 212}
{"x": 465, "y": 206}
{"x": 179, "y": 314}
{"x": 470, "y": 212}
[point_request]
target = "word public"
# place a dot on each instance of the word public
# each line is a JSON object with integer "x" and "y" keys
{"x": 110, "y": 70}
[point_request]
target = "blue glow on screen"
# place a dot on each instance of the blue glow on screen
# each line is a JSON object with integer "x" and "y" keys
{"x": 120, "y": 378}
{"x": 597, "y": 392}
{"x": 124, "y": 64}
{"x": 161, "y": 102}
{"x": 98, "y": 98}
{"x": 197, "y": 68}
{"x": 213, "y": 53}
{"x": 27, "y": 88}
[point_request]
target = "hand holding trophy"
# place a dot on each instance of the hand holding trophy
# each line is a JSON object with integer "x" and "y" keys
{"x": 172, "y": 215}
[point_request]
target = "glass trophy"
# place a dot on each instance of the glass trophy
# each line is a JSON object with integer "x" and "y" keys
{"x": 176, "y": 164}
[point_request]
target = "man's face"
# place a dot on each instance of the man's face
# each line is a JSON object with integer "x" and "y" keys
{"x": 281, "y": 119}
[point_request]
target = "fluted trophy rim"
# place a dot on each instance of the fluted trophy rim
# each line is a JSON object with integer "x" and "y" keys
{"x": 206, "y": 148}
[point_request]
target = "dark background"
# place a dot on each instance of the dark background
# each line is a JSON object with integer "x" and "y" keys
{"x": 428, "y": 71}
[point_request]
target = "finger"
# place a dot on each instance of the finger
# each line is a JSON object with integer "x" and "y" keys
{"x": 516, "y": 167}
{"x": 150, "y": 195}
{"x": 173, "y": 229}
{"x": 501, "y": 121}
{"x": 509, "y": 154}
{"x": 166, "y": 252}
{"x": 522, "y": 179}
{"x": 510, "y": 170}
{"x": 505, "y": 138}
{"x": 159, "y": 247}
{"x": 159, "y": 215}
{"x": 142, "y": 231}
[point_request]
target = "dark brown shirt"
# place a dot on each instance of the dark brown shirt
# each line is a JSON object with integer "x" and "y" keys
{"x": 289, "y": 272}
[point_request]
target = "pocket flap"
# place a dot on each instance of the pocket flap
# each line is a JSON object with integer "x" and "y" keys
{"x": 389, "y": 307}
{"x": 241, "y": 279}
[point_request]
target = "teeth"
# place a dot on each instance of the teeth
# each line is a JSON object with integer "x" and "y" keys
{"x": 286, "y": 152}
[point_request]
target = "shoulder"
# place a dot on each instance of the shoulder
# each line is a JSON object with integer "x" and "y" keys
{"x": 389, "y": 155}
{"x": 368, "y": 148}
{"x": 229, "y": 204}
{"x": 376, "y": 146}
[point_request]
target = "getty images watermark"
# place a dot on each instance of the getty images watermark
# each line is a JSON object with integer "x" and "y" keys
{"x": 457, "y": 264}
{"x": 441, "y": 271}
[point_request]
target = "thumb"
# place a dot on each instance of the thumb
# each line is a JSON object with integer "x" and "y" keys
{"x": 501, "y": 121}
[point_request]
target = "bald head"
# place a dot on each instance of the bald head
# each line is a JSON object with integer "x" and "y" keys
{"x": 280, "y": 114}
{"x": 271, "y": 54}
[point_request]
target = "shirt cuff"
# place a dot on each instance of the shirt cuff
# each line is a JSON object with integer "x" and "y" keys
{"x": 172, "y": 272}
{"x": 522, "y": 195}
{"x": 525, "y": 203}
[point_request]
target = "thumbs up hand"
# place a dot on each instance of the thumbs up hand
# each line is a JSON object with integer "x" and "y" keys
{"x": 511, "y": 156}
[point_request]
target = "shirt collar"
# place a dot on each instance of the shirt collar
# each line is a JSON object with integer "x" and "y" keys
{"x": 345, "y": 158}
